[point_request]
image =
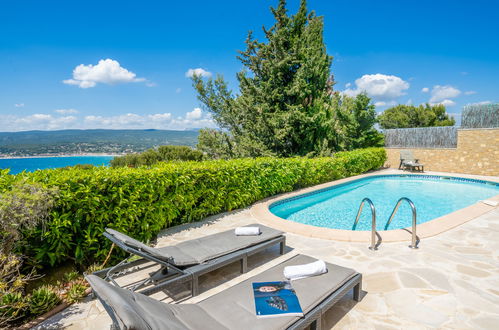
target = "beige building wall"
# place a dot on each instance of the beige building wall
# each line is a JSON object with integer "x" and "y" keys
{"x": 477, "y": 152}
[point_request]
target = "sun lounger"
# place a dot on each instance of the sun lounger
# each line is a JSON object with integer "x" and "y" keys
{"x": 187, "y": 261}
{"x": 232, "y": 308}
{"x": 408, "y": 161}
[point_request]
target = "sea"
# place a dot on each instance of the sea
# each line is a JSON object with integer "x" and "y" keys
{"x": 31, "y": 164}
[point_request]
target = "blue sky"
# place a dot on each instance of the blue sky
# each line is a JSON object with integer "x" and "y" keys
{"x": 124, "y": 64}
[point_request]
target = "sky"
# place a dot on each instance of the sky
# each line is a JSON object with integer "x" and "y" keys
{"x": 126, "y": 64}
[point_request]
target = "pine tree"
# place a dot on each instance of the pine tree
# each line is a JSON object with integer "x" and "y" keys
{"x": 284, "y": 105}
{"x": 403, "y": 116}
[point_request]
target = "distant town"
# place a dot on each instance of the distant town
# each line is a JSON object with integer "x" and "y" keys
{"x": 89, "y": 142}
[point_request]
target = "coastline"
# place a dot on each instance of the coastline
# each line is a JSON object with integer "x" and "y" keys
{"x": 61, "y": 155}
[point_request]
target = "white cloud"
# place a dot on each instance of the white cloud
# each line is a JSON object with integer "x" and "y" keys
{"x": 383, "y": 103}
{"x": 160, "y": 117}
{"x": 36, "y": 121}
{"x": 192, "y": 119}
{"x": 107, "y": 71}
{"x": 469, "y": 92}
{"x": 129, "y": 120}
{"x": 37, "y": 117}
{"x": 66, "y": 111}
{"x": 481, "y": 103}
{"x": 186, "y": 123}
{"x": 62, "y": 122}
{"x": 198, "y": 72}
{"x": 347, "y": 85}
{"x": 425, "y": 90}
{"x": 197, "y": 113}
{"x": 151, "y": 84}
{"x": 19, "y": 105}
{"x": 381, "y": 87}
{"x": 446, "y": 102}
{"x": 440, "y": 94}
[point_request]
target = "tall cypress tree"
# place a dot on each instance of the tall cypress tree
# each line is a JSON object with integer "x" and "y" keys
{"x": 283, "y": 107}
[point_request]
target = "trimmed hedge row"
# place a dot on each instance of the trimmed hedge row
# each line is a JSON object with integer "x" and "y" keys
{"x": 161, "y": 154}
{"x": 142, "y": 201}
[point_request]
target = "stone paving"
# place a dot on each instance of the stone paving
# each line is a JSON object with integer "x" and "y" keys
{"x": 451, "y": 281}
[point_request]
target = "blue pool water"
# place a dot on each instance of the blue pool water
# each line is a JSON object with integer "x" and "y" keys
{"x": 337, "y": 207}
{"x": 18, "y": 165}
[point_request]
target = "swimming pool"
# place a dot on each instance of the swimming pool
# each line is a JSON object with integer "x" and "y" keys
{"x": 336, "y": 207}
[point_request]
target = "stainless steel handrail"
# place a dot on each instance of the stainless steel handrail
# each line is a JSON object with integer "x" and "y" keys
{"x": 414, "y": 243}
{"x": 373, "y": 222}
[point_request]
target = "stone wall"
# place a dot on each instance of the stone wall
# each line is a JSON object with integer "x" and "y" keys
{"x": 477, "y": 152}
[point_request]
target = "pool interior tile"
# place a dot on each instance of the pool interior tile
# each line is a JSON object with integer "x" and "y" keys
{"x": 260, "y": 210}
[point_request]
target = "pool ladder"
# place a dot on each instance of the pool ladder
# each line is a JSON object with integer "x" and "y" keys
{"x": 414, "y": 241}
{"x": 374, "y": 246}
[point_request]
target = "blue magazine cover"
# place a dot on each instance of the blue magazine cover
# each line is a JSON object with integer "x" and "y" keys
{"x": 276, "y": 299}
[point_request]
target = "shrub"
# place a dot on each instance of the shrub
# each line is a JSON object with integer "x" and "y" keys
{"x": 23, "y": 207}
{"x": 75, "y": 293}
{"x": 80, "y": 166}
{"x": 12, "y": 307}
{"x": 162, "y": 154}
{"x": 42, "y": 300}
{"x": 168, "y": 153}
{"x": 94, "y": 267}
{"x": 71, "y": 276}
{"x": 142, "y": 201}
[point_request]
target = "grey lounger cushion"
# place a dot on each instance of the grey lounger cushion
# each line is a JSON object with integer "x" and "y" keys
{"x": 137, "y": 311}
{"x": 232, "y": 308}
{"x": 202, "y": 249}
{"x": 310, "y": 291}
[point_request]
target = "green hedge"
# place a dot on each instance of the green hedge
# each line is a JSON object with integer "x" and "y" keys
{"x": 155, "y": 155}
{"x": 142, "y": 201}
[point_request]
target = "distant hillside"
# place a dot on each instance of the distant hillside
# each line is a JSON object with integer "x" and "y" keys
{"x": 32, "y": 143}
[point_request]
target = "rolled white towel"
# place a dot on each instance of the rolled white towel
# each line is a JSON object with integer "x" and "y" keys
{"x": 302, "y": 271}
{"x": 247, "y": 231}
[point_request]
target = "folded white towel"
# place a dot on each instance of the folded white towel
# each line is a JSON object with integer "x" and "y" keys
{"x": 490, "y": 202}
{"x": 301, "y": 271}
{"x": 247, "y": 231}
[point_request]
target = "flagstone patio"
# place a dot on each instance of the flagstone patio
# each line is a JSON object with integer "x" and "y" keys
{"x": 451, "y": 281}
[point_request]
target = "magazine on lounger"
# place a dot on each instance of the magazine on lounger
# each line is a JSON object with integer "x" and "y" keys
{"x": 273, "y": 299}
